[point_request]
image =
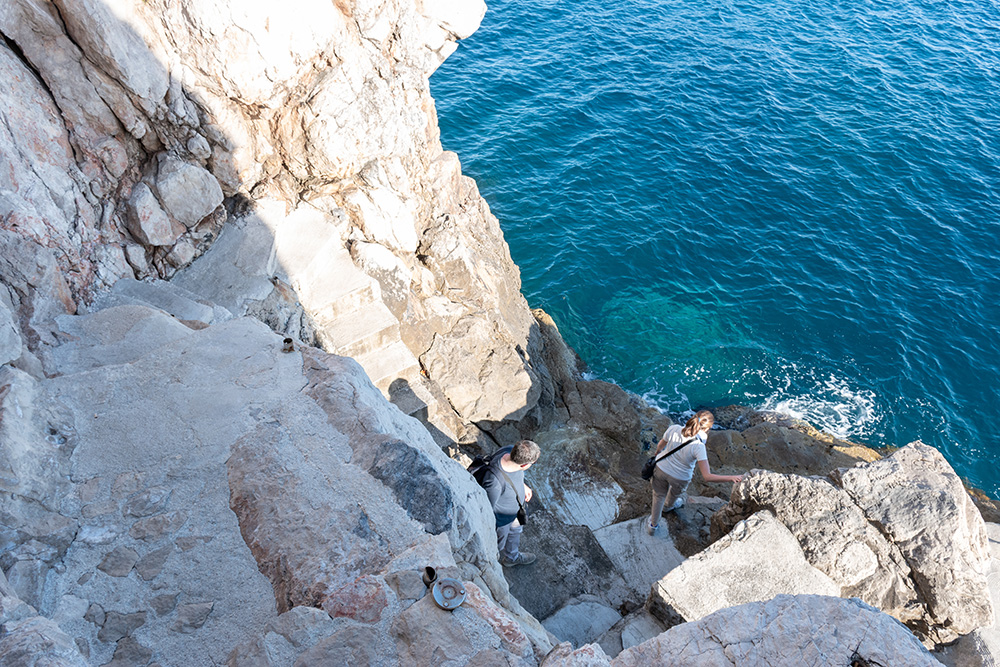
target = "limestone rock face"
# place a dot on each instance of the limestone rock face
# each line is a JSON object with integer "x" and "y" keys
{"x": 10, "y": 335}
{"x": 127, "y": 125}
{"x": 900, "y": 533}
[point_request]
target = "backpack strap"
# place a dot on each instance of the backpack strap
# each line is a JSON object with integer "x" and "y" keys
{"x": 674, "y": 450}
{"x": 512, "y": 487}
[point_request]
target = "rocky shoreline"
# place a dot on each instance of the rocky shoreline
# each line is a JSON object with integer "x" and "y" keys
{"x": 254, "y": 322}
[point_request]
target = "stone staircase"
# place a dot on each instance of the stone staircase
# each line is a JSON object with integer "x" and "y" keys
{"x": 345, "y": 305}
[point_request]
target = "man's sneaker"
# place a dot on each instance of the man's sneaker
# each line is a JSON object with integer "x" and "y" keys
{"x": 651, "y": 530}
{"x": 523, "y": 558}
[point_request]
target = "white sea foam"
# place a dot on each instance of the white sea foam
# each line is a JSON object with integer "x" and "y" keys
{"x": 831, "y": 405}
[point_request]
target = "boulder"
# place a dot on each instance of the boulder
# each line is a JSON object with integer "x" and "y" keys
{"x": 807, "y": 630}
{"x": 980, "y": 648}
{"x": 147, "y": 220}
{"x": 834, "y": 535}
{"x": 757, "y": 560}
{"x": 187, "y": 192}
{"x": 921, "y": 505}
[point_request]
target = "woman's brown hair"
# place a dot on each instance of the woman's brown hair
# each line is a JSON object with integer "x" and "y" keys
{"x": 702, "y": 421}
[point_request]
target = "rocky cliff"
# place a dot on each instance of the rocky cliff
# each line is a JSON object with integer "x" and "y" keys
{"x": 250, "y": 315}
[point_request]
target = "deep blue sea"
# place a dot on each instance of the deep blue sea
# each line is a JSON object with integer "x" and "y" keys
{"x": 789, "y": 205}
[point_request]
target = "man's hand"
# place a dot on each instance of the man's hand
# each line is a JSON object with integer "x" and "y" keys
{"x": 527, "y": 493}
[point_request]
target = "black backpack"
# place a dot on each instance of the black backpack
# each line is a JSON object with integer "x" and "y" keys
{"x": 479, "y": 466}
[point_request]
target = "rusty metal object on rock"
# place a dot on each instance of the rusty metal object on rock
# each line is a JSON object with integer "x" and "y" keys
{"x": 448, "y": 593}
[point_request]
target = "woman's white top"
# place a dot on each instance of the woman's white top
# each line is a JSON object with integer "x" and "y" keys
{"x": 681, "y": 465}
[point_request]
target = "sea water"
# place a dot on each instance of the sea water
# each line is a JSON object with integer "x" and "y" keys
{"x": 788, "y": 205}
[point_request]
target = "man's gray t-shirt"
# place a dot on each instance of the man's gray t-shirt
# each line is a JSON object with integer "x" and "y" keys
{"x": 502, "y": 496}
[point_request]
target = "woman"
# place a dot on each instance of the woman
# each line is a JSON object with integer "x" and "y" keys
{"x": 673, "y": 473}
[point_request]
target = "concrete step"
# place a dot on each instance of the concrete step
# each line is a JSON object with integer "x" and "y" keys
{"x": 389, "y": 363}
{"x": 358, "y": 332}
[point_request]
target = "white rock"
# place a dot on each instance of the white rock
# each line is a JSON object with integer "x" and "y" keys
{"x": 10, "y": 337}
{"x": 793, "y": 630}
{"x": 460, "y": 17}
{"x": 188, "y": 192}
{"x": 147, "y": 220}
{"x": 757, "y": 560}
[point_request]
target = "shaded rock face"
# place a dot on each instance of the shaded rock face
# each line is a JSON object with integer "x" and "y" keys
{"x": 901, "y": 534}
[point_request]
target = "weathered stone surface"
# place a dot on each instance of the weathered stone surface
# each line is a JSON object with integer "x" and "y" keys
{"x": 363, "y": 599}
{"x": 788, "y": 630}
{"x": 512, "y": 637}
{"x": 117, "y": 625}
{"x": 639, "y": 628}
{"x": 563, "y": 655}
{"x": 38, "y": 642}
{"x": 416, "y": 484}
{"x": 37, "y": 437}
{"x": 641, "y": 559}
{"x": 27, "y": 578}
{"x": 118, "y": 562}
{"x": 426, "y": 634}
{"x": 570, "y": 563}
{"x": 351, "y": 646}
{"x": 980, "y": 648}
{"x": 191, "y": 617}
{"x": 10, "y": 335}
{"x": 757, "y": 560}
{"x": 407, "y": 584}
{"x": 574, "y": 478}
{"x": 119, "y": 334}
{"x": 303, "y": 626}
{"x": 182, "y": 305}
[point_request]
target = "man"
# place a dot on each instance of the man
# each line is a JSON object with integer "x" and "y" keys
{"x": 504, "y": 484}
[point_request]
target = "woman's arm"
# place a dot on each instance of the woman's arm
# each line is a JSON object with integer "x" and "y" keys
{"x": 709, "y": 476}
{"x": 660, "y": 446}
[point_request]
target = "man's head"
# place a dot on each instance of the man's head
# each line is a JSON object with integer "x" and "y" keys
{"x": 525, "y": 453}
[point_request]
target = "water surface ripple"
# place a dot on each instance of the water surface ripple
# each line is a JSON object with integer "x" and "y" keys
{"x": 787, "y": 205}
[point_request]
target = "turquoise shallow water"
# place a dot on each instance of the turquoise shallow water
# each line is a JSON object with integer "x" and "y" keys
{"x": 786, "y": 205}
